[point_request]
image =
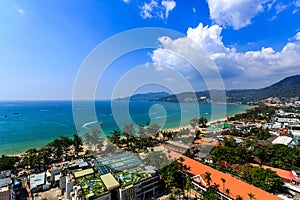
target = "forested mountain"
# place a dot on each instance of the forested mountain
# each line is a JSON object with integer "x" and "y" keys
{"x": 284, "y": 89}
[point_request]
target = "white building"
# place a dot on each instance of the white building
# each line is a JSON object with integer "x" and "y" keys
{"x": 285, "y": 140}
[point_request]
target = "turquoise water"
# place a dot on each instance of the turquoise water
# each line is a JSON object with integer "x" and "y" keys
{"x": 32, "y": 124}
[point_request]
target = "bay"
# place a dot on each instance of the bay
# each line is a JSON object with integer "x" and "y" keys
{"x": 32, "y": 124}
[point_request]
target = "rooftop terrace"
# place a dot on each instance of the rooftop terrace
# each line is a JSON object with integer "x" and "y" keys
{"x": 91, "y": 184}
{"x": 132, "y": 176}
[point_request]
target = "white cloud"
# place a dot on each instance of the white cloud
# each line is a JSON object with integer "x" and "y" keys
{"x": 147, "y": 9}
{"x": 297, "y": 36}
{"x": 21, "y": 11}
{"x": 207, "y": 37}
{"x": 169, "y": 6}
{"x": 194, "y": 10}
{"x": 237, "y": 68}
{"x": 170, "y": 79}
{"x": 235, "y": 13}
{"x": 281, "y": 7}
{"x": 157, "y": 9}
{"x": 297, "y": 6}
{"x": 126, "y": 1}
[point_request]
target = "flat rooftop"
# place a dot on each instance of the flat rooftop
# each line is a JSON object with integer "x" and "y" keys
{"x": 109, "y": 181}
{"x": 5, "y": 181}
{"x": 37, "y": 179}
{"x": 282, "y": 140}
{"x": 116, "y": 163}
{"x": 82, "y": 173}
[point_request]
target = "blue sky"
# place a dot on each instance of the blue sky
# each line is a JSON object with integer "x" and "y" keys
{"x": 43, "y": 43}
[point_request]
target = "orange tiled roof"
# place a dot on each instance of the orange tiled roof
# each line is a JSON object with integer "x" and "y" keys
{"x": 236, "y": 186}
{"x": 207, "y": 142}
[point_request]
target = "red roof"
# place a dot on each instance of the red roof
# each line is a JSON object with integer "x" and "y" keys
{"x": 235, "y": 186}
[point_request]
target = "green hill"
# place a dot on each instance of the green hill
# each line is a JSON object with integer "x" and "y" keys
{"x": 284, "y": 89}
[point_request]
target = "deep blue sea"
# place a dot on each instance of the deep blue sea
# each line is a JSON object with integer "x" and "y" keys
{"x": 32, "y": 124}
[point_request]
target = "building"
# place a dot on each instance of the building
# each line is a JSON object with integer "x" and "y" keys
{"x": 290, "y": 121}
{"x": 80, "y": 163}
{"x": 53, "y": 176}
{"x": 5, "y": 178}
{"x": 66, "y": 184}
{"x": 83, "y": 184}
{"x": 135, "y": 180}
{"x": 237, "y": 188}
{"x": 150, "y": 185}
{"x": 6, "y": 193}
{"x": 285, "y": 140}
{"x": 38, "y": 182}
{"x": 116, "y": 163}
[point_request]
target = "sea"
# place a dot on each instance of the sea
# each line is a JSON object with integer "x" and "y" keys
{"x": 33, "y": 124}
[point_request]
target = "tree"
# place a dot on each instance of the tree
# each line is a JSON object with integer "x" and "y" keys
{"x": 116, "y": 136}
{"x": 223, "y": 181}
{"x": 8, "y": 162}
{"x": 251, "y": 196}
{"x": 87, "y": 138}
{"x": 227, "y": 191}
{"x": 77, "y": 142}
{"x": 265, "y": 179}
{"x": 210, "y": 194}
{"x": 202, "y": 122}
{"x": 153, "y": 129}
{"x": 207, "y": 177}
{"x": 194, "y": 122}
{"x": 178, "y": 193}
{"x": 171, "y": 175}
{"x": 129, "y": 131}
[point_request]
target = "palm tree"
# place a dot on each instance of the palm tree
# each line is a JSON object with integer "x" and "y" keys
{"x": 227, "y": 191}
{"x": 239, "y": 197}
{"x": 116, "y": 135}
{"x": 202, "y": 122}
{"x": 223, "y": 181}
{"x": 251, "y": 196}
{"x": 207, "y": 177}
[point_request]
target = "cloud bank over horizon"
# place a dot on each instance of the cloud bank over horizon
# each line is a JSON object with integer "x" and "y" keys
{"x": 245, "y": 69}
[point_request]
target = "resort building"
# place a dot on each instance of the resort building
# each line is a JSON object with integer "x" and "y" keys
{"x": 116, "y": 163}
{"x": 135, "y": 180}
{"x": 230, "y": 189}
{"x": 84, "y": 184}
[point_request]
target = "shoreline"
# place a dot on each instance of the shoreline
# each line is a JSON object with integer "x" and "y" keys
{"x": 167, "y": 129}
{"x": 19, "y": 154}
